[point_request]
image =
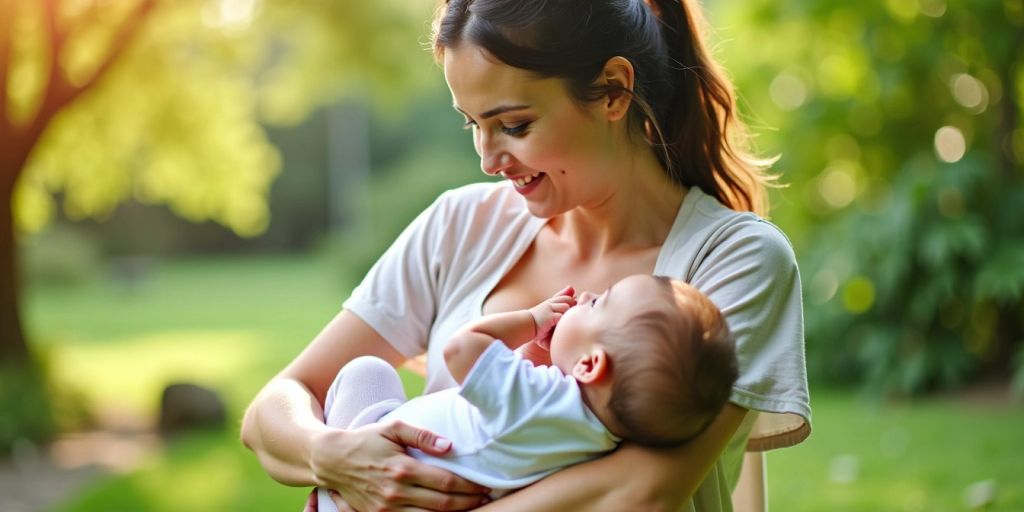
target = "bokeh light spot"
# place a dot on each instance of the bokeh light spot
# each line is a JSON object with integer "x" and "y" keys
{"x": 838, "y": 185}
{"x": 932, "y": 8}
{"x": 858, "y": 295}
{"x": 824, "y": 286}
{"x": 902, "y": 10}
{"x": 844, "y": 469}
{"x": 969, "y": 92}
{"x": 788, "y": 91}
{"x": 950, "y": 145}
{"x": 230, "y": 13}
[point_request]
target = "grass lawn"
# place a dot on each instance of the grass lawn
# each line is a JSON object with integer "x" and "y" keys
{"x": 231, "y": 323}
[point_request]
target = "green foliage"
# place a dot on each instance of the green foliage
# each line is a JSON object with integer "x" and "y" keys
{"x": 26, "y": 405}
{"x": 177, "y": 120}
{"x": 899, "y": 128}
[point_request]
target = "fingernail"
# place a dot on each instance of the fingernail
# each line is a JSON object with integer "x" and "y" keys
{"x": 442, "y": 443}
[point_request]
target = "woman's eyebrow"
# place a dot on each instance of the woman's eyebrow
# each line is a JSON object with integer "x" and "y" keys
{"x": 495, "y": 111}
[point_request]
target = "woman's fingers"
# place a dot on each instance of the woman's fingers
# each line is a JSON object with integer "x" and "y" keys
{"x": 425, "y": 440}
{"x": 437, "y": 479}
{"x": 429, "y": 499}
{"x": 339, "y": 502}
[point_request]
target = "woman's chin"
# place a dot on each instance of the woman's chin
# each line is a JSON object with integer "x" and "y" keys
{"x": 543, "y": 209}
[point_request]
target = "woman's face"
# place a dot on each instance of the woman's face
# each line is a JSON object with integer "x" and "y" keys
{"x": 531, "y": 132}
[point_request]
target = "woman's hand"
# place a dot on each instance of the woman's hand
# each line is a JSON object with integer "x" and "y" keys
{"x": 370, "y": 470}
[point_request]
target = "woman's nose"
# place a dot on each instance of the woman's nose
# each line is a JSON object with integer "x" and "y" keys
{"x": 493, "y": 158}
{"x": 493, "y": 165}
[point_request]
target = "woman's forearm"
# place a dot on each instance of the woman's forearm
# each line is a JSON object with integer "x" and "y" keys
{"x": 286, "y": 418}
{"x": 632, "y": 477}
{"x": 280, "y": 426}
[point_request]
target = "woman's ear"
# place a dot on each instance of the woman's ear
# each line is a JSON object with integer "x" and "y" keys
{"x": 591, "y": 367}
{"x": 618, "y": 76}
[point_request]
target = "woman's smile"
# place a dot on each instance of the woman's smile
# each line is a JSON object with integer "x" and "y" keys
{"x": 528, "y": 182}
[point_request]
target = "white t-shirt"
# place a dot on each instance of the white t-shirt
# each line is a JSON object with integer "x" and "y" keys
{"x": 436, "y": 275}
{"x": 510, "y": 423}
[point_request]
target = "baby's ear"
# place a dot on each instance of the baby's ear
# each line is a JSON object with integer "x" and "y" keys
{"x": 591, "y": 367}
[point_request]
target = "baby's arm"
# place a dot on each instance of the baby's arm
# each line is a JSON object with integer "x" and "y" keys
{"x": 513, "y": 328}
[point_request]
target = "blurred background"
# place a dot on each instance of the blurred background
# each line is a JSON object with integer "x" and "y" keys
{"x": 197, "y": 185}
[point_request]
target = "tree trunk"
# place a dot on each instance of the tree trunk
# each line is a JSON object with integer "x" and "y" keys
{"x": 13, "y": 345}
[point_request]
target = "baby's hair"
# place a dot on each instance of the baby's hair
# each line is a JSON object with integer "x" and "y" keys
{"x": 674, "y": 367}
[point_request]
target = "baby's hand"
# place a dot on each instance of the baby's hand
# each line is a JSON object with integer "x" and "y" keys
{"x": 547, "y": 314}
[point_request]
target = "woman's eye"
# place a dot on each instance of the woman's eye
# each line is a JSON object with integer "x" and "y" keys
{"x": 516, "y": 130}
{"x": 469, "y": 124}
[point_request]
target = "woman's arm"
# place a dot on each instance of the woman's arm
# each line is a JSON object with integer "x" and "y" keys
{"x": 284, "y": 426}
{"x": 632, "y": 477}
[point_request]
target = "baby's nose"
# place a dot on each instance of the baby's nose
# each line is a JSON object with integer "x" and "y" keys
{"x": 585, "y": 297}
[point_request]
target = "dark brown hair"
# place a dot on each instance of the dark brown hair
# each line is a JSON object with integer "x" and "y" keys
{"x": 683, "y": 103}
{"x": 673, "y": 368}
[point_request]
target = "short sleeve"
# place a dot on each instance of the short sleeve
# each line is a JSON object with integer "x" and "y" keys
{"x": 399, "y": 295}
{"x": 506, "y": 388}
{"x": 751, "y": 275}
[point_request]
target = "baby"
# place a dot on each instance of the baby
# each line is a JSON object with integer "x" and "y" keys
{"x": 649, "y": 361}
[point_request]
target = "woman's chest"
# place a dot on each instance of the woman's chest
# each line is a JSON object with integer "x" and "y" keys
{"x": 546, "y": 268}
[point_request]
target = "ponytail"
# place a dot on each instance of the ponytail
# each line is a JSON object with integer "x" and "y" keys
{"x": 705, "y": 143}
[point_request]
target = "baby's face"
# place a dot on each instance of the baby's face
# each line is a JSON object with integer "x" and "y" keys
{"x": 579, "y": 330}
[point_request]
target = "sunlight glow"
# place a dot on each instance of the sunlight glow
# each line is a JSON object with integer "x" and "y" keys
{"x": 230, "y": 13}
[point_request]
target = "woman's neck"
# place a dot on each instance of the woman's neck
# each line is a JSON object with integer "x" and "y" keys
{"x": 636, "y": 212}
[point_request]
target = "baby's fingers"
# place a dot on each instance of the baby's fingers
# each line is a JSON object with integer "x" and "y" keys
{"x": 560, "y": 307}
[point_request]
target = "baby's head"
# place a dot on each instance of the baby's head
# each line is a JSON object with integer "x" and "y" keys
{"x": 666, "y": 350}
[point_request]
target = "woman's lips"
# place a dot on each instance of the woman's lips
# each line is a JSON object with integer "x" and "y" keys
{"x": 526, "y": 184}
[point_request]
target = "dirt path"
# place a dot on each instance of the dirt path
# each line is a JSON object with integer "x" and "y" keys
{"x": 40, "y": 484}
{"x": 37, "y": 478}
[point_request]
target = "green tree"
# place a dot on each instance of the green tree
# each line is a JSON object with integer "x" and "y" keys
{"x": 163, "y": 101}
{"x": 899, "y": 126}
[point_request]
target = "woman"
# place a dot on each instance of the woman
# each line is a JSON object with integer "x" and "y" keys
{"x": 617, "y": 138}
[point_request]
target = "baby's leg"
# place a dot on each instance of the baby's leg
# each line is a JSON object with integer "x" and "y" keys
{"x": 365, "y": 389}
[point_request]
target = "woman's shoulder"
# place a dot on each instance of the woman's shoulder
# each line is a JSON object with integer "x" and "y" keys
{"x": 713, "y": 223}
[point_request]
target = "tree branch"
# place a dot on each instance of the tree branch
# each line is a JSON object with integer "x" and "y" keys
{"x": 60, "y": 92}
{"x": 53, "y": 29}
{"x": 124, "y": 38}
